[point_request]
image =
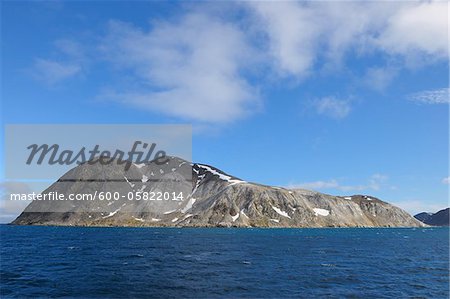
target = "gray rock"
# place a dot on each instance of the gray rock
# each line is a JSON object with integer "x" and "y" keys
{"x": 211, "y": 198}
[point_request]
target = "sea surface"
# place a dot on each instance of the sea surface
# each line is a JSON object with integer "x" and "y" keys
{"x": 226, "y": 263}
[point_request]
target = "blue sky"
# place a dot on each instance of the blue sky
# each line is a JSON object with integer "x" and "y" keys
{"x": 342, "y": 97}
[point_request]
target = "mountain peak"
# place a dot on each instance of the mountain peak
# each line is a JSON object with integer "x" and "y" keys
{"x": 196, "y": 194}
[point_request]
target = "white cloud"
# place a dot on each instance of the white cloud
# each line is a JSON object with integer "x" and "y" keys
{"x": 332, "y": 107}
{"x": 420, "y": 27}
{"x": 52, "y": 72}
{"x": 195, "y": 65}
{"x": 71, "y": 49}
{"x": 379, "y": 78}
{"x": 416, "y": 206}
{"x": 375, "y": 182}
{"x": 189, "y": 69}
{"x": 292, "y": 39}
{"x": 435, "y": 96}
{"x": 71, "y": 63}
{"x": 446, "y": 181}
{"x": 317, "y": 185}
{"x": 300, "y": 33}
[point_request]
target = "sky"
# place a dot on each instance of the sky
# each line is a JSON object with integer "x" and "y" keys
{"x": 339, "y": 97}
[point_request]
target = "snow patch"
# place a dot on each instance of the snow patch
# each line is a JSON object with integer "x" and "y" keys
{"x": 188, "y": 205}
{"x": 280, "y": 212}
{"x": 187, "y": 216}
{"x": 112, "y": 213}
{"x": 155, "y": 219}
{"x": 169, "y": 212}
{"x": 222, "y": 176}
{"x": 139, "y": 165}
{"x": 139, "y": 219}
{"x": 348, "y": 197}
{"x": 235, "y": 217}
{"x": 321, "y": 212}
{"x": 275, "y": 220}
{"x": 174, "y": 219}
{"x": 144, "y": 178}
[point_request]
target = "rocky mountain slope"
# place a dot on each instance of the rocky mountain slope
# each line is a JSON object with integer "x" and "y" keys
{"x": 210, "y": 198}
{"x": 440, "y": 218}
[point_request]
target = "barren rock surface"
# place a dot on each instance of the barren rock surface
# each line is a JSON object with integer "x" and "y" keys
{"x": 210, "y": 198}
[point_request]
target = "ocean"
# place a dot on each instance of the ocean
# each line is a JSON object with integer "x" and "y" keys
{"x": 89, "y": 262}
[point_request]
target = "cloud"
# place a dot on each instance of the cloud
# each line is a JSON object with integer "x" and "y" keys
{"x": 302, "y": 35}
{"x": 332, "y": 107}
{"x": 435, "y": 96}
{"x": 189, "y": 69}
{"x": 421, "y": 27}
{"x": 72, "y": 50}
{"x": 379, "y": 78}
{"x": 52, "y": 72}
{"x": 291, "y": 37}
{"x": 208, "y": 66}
{"x": 317, "y": 185}
{"x": 9, "y": 209}
{"x": 416, "y": 206}
{"x": 71, "y": 63}
{"x": 375, "y": 182}
{"x": 446, "y": 180}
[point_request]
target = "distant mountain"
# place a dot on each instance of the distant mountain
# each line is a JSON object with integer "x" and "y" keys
{"x": 211, "y": 198}
{"x": 423, "y": 216}
{"x": 440, "y": 218}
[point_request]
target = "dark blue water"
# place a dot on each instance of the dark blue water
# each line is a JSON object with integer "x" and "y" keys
{"x": 169, "y": 263}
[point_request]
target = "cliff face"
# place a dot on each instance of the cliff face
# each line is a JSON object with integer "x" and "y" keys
{"x": 210, "y": 198}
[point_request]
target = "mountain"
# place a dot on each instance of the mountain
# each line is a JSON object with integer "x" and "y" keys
{"x": 440, "y": 218}
{"x": 210, "y": 198}
{"x": 423, "y": 216}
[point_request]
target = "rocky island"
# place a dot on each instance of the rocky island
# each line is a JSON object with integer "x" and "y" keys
{"x": 211, "y": 198}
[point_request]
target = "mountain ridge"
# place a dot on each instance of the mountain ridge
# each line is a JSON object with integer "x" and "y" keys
{"x": 213, "y": 199}
{"x": 440, "y": 218}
